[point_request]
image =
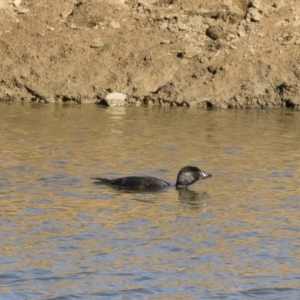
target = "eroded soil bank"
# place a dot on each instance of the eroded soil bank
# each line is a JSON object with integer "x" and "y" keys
{"x": 220, "y": 53}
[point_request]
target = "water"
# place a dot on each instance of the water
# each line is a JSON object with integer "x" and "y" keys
{"x": 233, "y": 236}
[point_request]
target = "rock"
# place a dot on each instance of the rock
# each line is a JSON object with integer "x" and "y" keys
{"x": 255, "y": 11}
{"x": 115, "y": 99}
{"x": 212, "y": 69}
{"x": 254, "y": 15}
{"x": 165, "y": 42}
{"x": 241, "y": 31}
{"x": 215, "y": 32}
{"x": 67, "y": 13}
{"x": 191, "y": 52}
{"x": 255, "y": 3}
{"x": 96, "y": 43}
{"x": 21, "y": 10}
{"x": 39, "y": 94}
{"x": 16, "y": 2}
{"x": 163, "y": 26}
{"x": 182, "y": 26}
{"x": 115, "y": 24}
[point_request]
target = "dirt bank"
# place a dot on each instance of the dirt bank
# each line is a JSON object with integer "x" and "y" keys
{"x": 225, "y": 53}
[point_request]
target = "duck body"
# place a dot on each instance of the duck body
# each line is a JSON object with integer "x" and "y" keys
{"x": 186, "y": 176}
{"x": 135, "y": 182}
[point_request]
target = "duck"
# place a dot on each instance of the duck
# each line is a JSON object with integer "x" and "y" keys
{"x": 186, "y": 176}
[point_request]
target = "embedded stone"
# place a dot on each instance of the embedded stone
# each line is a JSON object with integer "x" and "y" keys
{"x": 115, "y": 99}
{"x": 96, "y": 43}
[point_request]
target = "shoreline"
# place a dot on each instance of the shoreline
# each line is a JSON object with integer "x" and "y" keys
{"x": 244, "y": 55}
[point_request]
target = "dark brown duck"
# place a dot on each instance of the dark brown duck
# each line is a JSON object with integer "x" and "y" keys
{"x": 186, "y": 176}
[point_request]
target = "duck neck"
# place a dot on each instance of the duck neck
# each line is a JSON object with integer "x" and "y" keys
{"x": 180, "y": 186}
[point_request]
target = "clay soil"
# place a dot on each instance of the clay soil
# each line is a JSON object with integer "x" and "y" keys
{"x": 214, "y": 53}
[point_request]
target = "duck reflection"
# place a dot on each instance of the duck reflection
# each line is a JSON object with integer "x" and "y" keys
{"x": 192, "y": 198}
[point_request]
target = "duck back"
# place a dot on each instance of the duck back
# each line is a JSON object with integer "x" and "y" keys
{"x": 135, "y": 182}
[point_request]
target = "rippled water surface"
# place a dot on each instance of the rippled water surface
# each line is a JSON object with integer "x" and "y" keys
{"x": 233, "y": 236}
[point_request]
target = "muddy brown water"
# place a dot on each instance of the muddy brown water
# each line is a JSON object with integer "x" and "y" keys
{"x": 233, "y": 236}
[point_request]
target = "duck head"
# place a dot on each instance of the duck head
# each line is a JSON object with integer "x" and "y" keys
{"x": 189, "y": 175}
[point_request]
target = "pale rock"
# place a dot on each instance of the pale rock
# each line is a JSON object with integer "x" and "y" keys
{"x": 191, "y": 52}
{"x": 17, "y": 2}
{"x": 241, "y": 31}
{"x": 115, "y": 99}
{"x": 96, "y": 43}
{"x": 22, "y": 11}
{"x": 163, "y": 26}
{"x": 67, "y": 13}
{"x": 182, "y": 26}
{"x": 255, "y": 3}
{"x": 115, "y": 24}
{"x": 254, "y": 15}
{"x": 297, "y": 42}
{"x": 165, "y": 42}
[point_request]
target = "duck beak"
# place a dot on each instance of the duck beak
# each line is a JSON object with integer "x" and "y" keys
{"x": 204, "y": 175}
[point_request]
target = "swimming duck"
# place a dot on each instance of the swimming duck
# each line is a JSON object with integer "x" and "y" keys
{"x": 186, "y": 176}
